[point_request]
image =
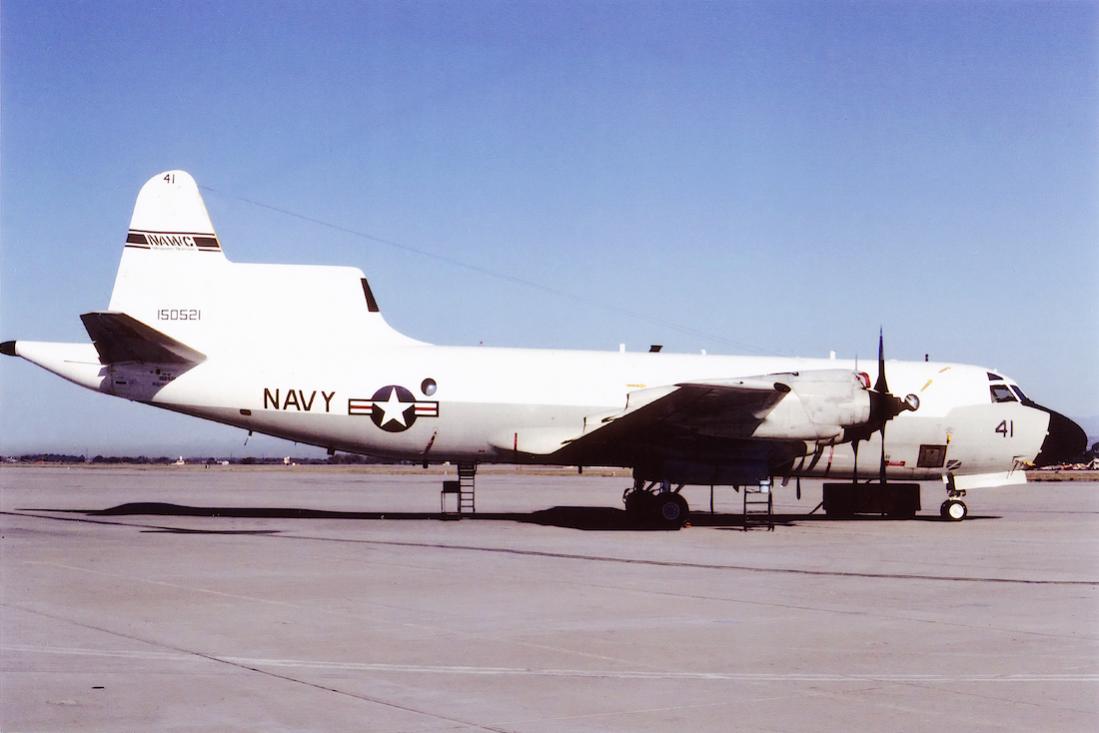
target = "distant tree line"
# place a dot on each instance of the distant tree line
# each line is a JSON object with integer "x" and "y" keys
{"x": 65, "y": 458}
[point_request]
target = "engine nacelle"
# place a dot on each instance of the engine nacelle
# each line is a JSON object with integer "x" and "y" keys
{"x": 819, "y": 405}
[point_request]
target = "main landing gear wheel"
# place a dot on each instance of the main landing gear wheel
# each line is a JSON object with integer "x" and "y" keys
{"x": 953, "y": 510}
{"x": 669, "y": 509}
{"x": 660, "y": 508}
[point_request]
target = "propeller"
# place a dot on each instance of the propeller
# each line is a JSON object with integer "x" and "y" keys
{"x": 884, "y": 406}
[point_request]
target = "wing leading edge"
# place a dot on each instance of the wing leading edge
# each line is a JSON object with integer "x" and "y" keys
{"x": 726, "y": 416}
{"x": 719, "y": 409}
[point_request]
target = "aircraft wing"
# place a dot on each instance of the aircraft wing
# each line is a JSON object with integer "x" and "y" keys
{"x": 716, "y": 409}
{"x": 119, "y": 338}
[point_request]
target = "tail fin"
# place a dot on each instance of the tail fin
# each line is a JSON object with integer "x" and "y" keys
{"x": 170, "y": 238}
{"x": 169, "y": 216}
{"x": 175, "y": 279}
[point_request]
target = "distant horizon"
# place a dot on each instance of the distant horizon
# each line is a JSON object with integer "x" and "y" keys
{"x": 278, "y": 448}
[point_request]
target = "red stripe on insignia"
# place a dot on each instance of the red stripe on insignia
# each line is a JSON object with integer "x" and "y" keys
{"x": 360, "y": 407}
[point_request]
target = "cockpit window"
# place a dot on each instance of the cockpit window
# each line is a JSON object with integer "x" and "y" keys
{"x": 1001, "y": 393}
{"x": 1022, "y": 397}
{"x": 993, "y": 377}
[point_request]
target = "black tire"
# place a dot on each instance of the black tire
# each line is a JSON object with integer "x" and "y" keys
{"x": 669, "y": 510}
{"x": 953, "y": 510}
{"x": 636, "y": 503}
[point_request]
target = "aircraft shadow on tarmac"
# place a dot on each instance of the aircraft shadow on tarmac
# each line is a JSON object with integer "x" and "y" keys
{"x": 570, "y": 517}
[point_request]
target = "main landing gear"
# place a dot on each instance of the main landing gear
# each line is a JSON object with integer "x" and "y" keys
{"x": 656, "y": 502}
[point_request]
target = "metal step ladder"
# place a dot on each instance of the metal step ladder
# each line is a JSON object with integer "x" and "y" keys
{"x": 759, "y": 506}
{"x": 464, "y": 490}
{"x": 467, "y": 486}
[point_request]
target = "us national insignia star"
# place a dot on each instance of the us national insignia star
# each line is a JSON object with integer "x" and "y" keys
{"x": 393, "y": 408}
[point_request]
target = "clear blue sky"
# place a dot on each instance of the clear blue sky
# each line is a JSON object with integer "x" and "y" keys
{"x": 781, "y": 177}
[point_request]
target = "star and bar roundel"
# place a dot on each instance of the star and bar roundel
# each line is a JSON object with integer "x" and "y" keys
{"x": 393, "y": 408}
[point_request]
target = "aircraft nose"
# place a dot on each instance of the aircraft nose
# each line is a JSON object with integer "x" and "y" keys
{"x": 1065, "y": 441}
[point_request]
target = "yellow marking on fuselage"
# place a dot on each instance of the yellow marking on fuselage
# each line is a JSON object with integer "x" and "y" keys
{"x": 926, "y": 385}
{"x": 636, "y": 386}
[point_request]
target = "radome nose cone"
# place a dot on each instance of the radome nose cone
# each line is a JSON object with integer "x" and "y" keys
{"x": 1065, "y": 441}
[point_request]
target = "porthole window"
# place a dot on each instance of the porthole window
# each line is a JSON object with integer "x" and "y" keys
{"x": 428, "y": 386}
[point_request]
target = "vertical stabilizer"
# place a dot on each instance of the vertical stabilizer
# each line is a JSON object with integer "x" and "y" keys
{"x": 170, "y": 216}
{"x": 172, "y": 261}
{"x": 175, "y": 279}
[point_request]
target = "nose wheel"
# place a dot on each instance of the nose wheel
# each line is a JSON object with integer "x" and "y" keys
{"x": 953, "y": 510}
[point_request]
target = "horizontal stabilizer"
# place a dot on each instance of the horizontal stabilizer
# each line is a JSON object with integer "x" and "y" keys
{"x": 119, "y": 337}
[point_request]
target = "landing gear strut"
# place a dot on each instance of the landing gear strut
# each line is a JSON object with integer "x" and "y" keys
{"x": 656, "y": 502}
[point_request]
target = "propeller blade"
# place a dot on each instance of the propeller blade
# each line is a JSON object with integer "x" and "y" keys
{"x": 881, "y": 467}
{"x": 881, "y": 385}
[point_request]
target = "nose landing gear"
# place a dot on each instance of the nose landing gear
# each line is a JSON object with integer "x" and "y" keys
{"x": 953, "y": 509}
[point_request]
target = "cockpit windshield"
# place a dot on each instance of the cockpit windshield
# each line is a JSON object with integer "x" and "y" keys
{"x": 1001, "y": 393}
{"x": 1022, "y": 397}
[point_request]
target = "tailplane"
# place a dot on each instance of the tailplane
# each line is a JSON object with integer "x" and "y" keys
{"x": 119, "y": 338}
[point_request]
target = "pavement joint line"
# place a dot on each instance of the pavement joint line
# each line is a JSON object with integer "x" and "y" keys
{"x": 694, "y": 565}
{"x": 610, "y": 558}
{"x": 251, "y": 668}
{"x": 450, "y": 630}
{"x": 183, "y": 655}
{"x": 312, "y": 609}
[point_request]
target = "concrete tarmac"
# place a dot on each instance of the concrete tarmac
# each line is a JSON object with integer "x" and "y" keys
{"x": 312, "y": 599}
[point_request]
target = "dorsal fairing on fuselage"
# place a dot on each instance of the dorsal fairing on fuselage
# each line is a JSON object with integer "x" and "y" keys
{"x": 174, "y": 276}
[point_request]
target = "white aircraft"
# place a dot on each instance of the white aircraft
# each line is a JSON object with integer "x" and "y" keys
{"x": 303, "y": 353}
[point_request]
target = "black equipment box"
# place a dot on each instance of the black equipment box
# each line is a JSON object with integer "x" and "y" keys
{"x": 894, "y": 499}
